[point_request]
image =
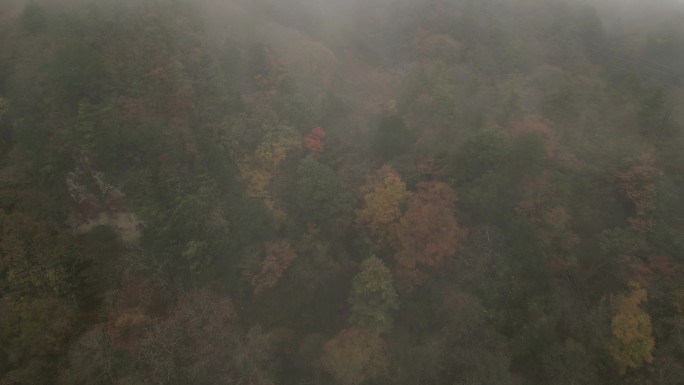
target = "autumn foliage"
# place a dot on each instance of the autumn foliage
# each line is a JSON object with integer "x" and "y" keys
{"x": 131, "y": 321}
{"x": 355, "y": 356}
{"x": 534, "y": 126}
{"x": 638, "y": 185}
{"x": 427, "y": 233}
{"x": 632, "y": 343}
{"x": 313, "y": 142}
{"x": 193, "y": 341}
{"x": 384, "y": 194}
{"x": 420, "y": 228}
{"x": 279, "y": 256}
{"x": 262, "y": 192}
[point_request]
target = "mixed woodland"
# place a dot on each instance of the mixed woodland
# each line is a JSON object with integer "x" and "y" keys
{"x": 300, "y": 192}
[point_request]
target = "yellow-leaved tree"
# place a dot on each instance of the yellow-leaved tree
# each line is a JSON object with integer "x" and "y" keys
{"x": 632, "y": 343}
{"x": 384, "y": 194}
{"x": 257, "y": 169}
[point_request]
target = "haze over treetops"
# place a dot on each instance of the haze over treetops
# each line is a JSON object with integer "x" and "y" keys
{"x": 302, "y": 192}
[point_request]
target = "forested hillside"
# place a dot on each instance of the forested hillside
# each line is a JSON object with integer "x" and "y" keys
{"x": 301, "y": 192}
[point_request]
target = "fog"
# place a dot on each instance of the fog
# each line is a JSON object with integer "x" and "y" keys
{"x": 341, "y": 192}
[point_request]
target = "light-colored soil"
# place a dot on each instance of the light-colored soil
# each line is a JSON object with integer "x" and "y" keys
{"x": 125, "y": 224}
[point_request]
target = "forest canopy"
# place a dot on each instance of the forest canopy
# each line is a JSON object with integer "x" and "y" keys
{"x": 341, "y": 192}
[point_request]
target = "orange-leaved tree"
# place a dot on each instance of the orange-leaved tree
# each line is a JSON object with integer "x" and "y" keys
{"x": 355, "y": 356}
{"x": 279, "y": 256}
{"x": 428, "y": 233}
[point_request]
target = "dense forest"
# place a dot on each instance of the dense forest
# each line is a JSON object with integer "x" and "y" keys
{"x": 301, "y": 192}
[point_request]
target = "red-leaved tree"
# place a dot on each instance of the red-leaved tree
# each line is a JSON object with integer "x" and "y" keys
{"x": 313, "y": 142}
